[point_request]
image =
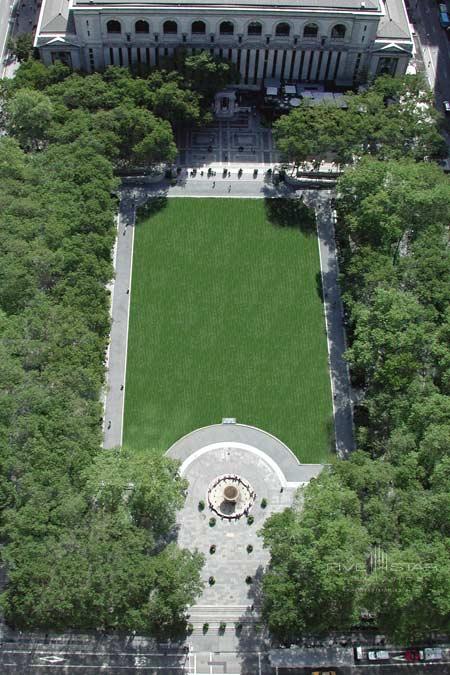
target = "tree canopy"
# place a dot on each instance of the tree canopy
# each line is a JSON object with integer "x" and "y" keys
{"x": 383, "y": 513}
{"x": 395, "y": 118}
{"x": 88, "y": 534}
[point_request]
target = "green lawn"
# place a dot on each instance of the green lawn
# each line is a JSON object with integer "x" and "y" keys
{"x": 226, "y": 321}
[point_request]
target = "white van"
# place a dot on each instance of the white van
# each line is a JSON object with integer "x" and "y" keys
{"x": 379, "y": 655}
{"x": 432, "y": 654}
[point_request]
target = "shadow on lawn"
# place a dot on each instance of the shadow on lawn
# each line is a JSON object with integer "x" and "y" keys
{"x": 291, "y": 213}
{"x": 152, "y": 206}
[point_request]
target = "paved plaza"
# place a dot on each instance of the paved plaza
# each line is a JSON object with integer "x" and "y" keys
{"x": 274, "y": 474}
{"x": 242, "y": 140}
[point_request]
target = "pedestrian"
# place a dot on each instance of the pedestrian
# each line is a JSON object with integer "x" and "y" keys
{"x": 229, "y": 188}
{"x": 214, "y": 184}
{"x": 121, "y": 387}
{"x": 128, "y": 291}
{"x": 229, "y": 174}
{"x": 109, "y": 424}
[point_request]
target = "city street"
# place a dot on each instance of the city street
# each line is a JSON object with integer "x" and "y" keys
{"x": 435, "y": 45}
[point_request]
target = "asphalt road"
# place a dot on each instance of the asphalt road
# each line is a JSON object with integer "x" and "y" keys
{"x": 435, "y": 46}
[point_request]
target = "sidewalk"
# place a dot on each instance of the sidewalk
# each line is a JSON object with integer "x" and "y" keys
{"x": 117, "y": 352}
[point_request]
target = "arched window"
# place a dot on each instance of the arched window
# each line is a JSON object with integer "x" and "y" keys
{"x": 170, "y": 28}
{"x": 226, "y": 28}
{"x": 141, "y": 27}
{"x": 113, "y": 26}
{"x": 310, "y": 30}
{"x": 338, "y": 32}
{"x": 198, "y": 28}
{"x": 254, "y": 28}
{"x": 283, "y": 29}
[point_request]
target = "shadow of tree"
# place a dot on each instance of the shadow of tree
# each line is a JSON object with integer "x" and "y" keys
{"x": 251, "y": 632}
{"x": 319, "y": 285}
{"x": 152, "y": 206}
{"x": 291, "y": 213}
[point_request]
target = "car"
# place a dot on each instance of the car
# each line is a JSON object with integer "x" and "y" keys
{"x": 444, "y": 18}
{"x": 324, "y": 672}
{"x": 446, "y": 106}
{"x": 432, "y": 654}
{"x": 379, "y": 655}
{"x": 412, "y": 655}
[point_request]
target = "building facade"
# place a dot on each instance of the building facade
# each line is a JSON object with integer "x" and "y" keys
{"x": 311, "y": 41}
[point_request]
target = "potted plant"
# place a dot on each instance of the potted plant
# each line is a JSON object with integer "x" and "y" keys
{"x": 201, "y": 505}
{"x": 248, "y": 580}
{"x": 212, "y": 522}
{"x": 212, "y": 549}
{"x": 222, "y": 627}
{"x": 205, "y": 628}
{"x": 211, "y": 581}
{"x": 249, "y": 548}
{"x": 263, "y": 503}
{"x": 250, "y": 520}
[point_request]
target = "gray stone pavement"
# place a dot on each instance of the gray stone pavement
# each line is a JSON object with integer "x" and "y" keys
{"x": 117, "y": 351}
{"x": 275, "y": 474}
{"x": 334, "y": 318}
{"x": 243, "y": 140}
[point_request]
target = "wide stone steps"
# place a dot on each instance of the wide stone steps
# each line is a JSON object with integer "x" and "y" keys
{"x": 212, "y": 614}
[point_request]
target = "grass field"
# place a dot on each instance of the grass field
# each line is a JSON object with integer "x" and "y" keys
{"x": 227, "y": 321}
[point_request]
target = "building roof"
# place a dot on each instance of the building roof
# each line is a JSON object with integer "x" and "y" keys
{"x": 323, "y": 5}
{"x": 54, "y": 16}
{"x": 394, "y": 24}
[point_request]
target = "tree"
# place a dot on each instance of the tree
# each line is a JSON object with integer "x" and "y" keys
{"x": 393, "y": 119}
{"x": 99, "y": 575}
{"x": 392, "y": 340}
{"x": 410, "y": 593}
{"x": 144, "y": 138}
{"x": 317, "y": 563}
{"x": 22, "y": 46}
{"x": 146, "y": 485}
{"x": 29, "y": 114}
{"x": 207, "y": 74}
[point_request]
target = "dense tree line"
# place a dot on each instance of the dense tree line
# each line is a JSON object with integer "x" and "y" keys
{"x": 370, "y": 538}
{"x": 86, "y": 533}
{"x": 129, "y": 119}
{"x": 393, "y": 119}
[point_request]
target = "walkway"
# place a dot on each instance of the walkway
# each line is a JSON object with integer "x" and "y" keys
{"x": 246, "y": 187}
{"x": 117, "y": 352}
{"x": 334, "y": 318}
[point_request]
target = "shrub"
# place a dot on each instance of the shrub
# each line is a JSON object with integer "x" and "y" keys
{"x": 222, "y": 627}
{"x": 248, "y": 580}
{"x": 263, "y": 503}
{"x": 250, "y": 520}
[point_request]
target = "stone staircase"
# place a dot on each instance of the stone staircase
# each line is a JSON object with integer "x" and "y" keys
{"x": 229, "y": 614}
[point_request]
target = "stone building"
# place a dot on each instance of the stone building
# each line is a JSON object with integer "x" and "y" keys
{"x": 311, "y": 41}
